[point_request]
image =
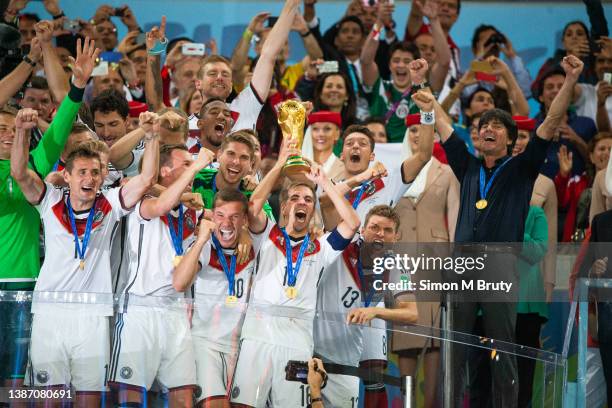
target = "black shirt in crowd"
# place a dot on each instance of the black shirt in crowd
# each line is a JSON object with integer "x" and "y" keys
{"x": 503, "y": 220}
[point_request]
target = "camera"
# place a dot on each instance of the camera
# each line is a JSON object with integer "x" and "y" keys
{"x": 72, "y": 25}
{"x": 496, "y": 38}
{"x": 120, "y": 11}
{"x": 297, "y": 371}
{"x": 10, "y": 52}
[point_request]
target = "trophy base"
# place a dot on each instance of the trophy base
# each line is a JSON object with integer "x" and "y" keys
{"x": 296, "y": 169}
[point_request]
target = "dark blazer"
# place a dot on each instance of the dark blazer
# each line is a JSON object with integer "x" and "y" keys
{"x": 601, "y": 244}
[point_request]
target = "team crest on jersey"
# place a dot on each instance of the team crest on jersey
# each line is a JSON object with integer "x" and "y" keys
{"x": 189, "y": 222}
{"x": 278, "y": 239}
{"x": 42, "y": 376}
{"x": 126, "y": 373}
{"x": 98, "y": 216}
{"x": 103, "y": 208}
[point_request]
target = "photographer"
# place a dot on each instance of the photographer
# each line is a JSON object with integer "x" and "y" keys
{"x": 316, "y": 377}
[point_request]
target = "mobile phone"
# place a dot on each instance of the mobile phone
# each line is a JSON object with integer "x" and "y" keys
{"x": 297, "y": 371}
{"x": 328, "y": 67}
{"x": 271, "y": 21}
{"x": 481, "y": 66}
{"x": 111, "y": 56}
{"x": 101, "y": 69}
{"x": 483, "y": 71}
{"x": 72, "y": 25}
{"x": 607, "y": 77}
{"x": 120, "y": 11}
{"x": 197, "y": 49}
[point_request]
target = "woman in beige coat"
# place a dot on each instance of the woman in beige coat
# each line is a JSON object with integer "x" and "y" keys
{"x": 428, "y": 212}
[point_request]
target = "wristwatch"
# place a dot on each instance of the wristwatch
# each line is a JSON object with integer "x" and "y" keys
{"x": 420, "y": 86}
{"x": 29, "y": 61}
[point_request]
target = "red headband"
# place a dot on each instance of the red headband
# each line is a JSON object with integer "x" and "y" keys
{"x": 325, "y": 116}
{"x": 413, "y": 119}
{"x": 136, "y": 108}
{"x": 524, "y": 123}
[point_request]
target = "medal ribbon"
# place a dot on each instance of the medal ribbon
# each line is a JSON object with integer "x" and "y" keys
{"x": 357, "y": 199}
{"x": 292, "y": 272}
{"x": 486, "y": 186}
{"x": 230, "y": 272}
{"x": 176, "y": 235}
{"x": 367, "y": 298}
{"x": 82, "y": 248}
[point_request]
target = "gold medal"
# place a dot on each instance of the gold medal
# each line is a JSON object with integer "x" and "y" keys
{"x": 177, "y": 260}
{"x": 230, "y": 300}
{"x": 82, "y": 264}
{"x": 481, "y": 204}
{"x": 291, "y": 292}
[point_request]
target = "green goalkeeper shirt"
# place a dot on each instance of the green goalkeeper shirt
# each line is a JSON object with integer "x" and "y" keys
{"x": 20, "y": 221}
{"x": 204, "y": 183}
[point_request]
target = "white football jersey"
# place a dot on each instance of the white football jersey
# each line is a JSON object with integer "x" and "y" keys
{"x": 214, "y": 319}
{"x": 385, "y": 191}
{"x": 340, "y": 292}
{"x": 272, "y": 317}
{"x": 245, "y": 109}
{"x": 61, "y": 271}
{"x": 151, "y": 253}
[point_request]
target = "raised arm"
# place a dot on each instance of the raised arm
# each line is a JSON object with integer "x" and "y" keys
{"x": 48, "y": 151}
{"x": 240, "y": 56}
{"x": 467, "y": 79}
{"x": 262, "y": 74}
{"x": 515, "y": 94}
{"x": 350, "y": 222}
{"x": 185, "y": 272}
{"x": 572, "y": 67}
{"x": 415, "y": 20}
{"x": 30, "y": 183}
{"x": 413, "y": 165}
{"x": 12, "y": 83}
{"x": 313, "y": 50}
{"x": 58, "y": 81}
{"x": 170, "y": 197}
{"x": 369, "y": 68}
{"x": 257, "y": 217}
{"x": 441, "y": 66}
{"x": 121, "y": 155}
{"x": 154, "y": 90}
{"x": 133, "y": 191}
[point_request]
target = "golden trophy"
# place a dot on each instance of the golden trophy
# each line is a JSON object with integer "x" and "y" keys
{"x": 291, "y": 118}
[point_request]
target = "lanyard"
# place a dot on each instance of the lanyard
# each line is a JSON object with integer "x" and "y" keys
{"x": 80, "y": 249}
{"x": 230, "y": 272}
{"x": 485, "y": 187}
{"x": 292, "y": 272}
{"x": 396, "y": 104}
{"x": 176, "y": 235}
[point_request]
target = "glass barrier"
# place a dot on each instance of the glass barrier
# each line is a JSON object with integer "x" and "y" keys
{"x": 96, "y": 350}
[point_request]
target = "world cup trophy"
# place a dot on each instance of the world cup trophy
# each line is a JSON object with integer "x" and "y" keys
{"x": 291, "y": 118}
